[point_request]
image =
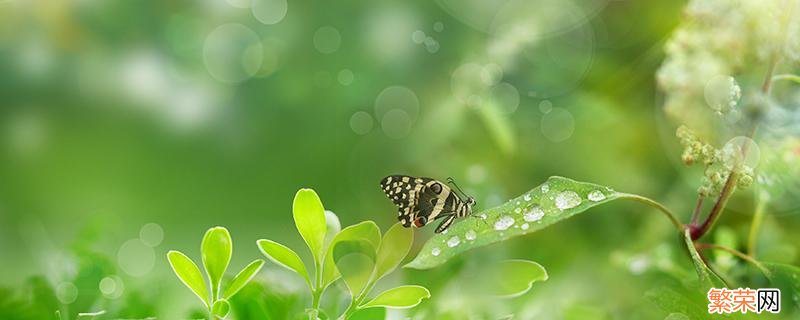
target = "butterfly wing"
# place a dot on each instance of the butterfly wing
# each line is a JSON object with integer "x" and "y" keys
{"x": 404, "y": 192}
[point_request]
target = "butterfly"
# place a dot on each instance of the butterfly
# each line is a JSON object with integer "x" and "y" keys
{"x": 422, "y": 200}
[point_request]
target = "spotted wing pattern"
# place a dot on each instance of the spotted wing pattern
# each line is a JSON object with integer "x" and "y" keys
{"x": 404, "y": 192}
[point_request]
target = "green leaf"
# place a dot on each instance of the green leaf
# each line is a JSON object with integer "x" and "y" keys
{"x": 679, "y": 300}
{"x": 367, "y": 231}
{"x": 216, "y": 250}
{"x": 309, "y": 217}
{"x": 401, "y": 297}
{"x": 554, "y": 201}
{"x": 221, "y": 308}
{"x": 332, "y": 225}
{"x": 393, "y": 248}
{"x": 355, "y": 259}
{"x": 512, "y": 278}
{"x": 242, "y": 278}
{"x": 284, "y": 257}
{"x": 786, "y": 278}
{"x": 708, "y": 279}
{"x": 188, "y": 272}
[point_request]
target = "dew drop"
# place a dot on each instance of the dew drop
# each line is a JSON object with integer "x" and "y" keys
{"x": 436, "y": 251}
{"x": 454, "y": 241}
{"x": 527, "y": 197}
{"x": 503, "y": 223}
{"x": 517, "y": 210}
{"x": 567, "y": 200}
{"x": 596, "y": 195}
{"x": 471, "y": 235}
{"x": 545, "y": 188}
{"x": 445, "y": 231}
{"x": 535, "y": 214}
{"x": 525, "y": 226}
{"x": 482, "y": 216}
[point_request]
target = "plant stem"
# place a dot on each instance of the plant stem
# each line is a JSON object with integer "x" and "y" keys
{"x": 755, "y": 226}
{"x": 790, "y": 77}
{"x": 697, "y": 209}
{"x": 671, "y": 216}
{"x": 729, "y": 187}
{"x": 741, "y": 255}
{"x": 724, "y": 195}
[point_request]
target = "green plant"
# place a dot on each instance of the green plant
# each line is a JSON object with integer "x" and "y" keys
{"x": 357, "y": 254}
{"x": 216, "y": 250}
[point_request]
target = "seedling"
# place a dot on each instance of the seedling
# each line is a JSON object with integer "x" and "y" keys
{"x": 357, "y": 254}
{"x": 216, "y": 249}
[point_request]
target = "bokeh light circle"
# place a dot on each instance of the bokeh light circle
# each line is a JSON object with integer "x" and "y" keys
{"x": 111, "y": 287}
{"x": 557, "y": 125}
{"x": 361, "y": 122}
{"x": 545, "y": 106}
{"x": 721, "y": 93}
{"x": 438, "y": 26}
{"x": 506, "y": 97}
{"x": 418, "y": 36}
{"x": 135, "y": 258}
{"x": 327, "y": 39}
{"x": 467, "y": 82}
{"x": 345, "y": 77}
{"x": 269, "y": 11}
{"x": 733, "y": 152}
{"x": 491, "y": 74}
{"x": 232, "y": 53}
{"x": 397, "y": 97}
{"x": 151, "y": 234}
{"x": 66, "y": 292}
{"x": 396, "y": 123}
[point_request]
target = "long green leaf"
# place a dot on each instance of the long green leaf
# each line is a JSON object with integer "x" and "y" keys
{"x": 511, "y": 278}
{"x": 188, "y": 272}
{"x": 285, "y": 257}
{"x": 401, "y": 297}
{"x": 786, "y": 278}
{"x": 309, "y": 218}
{"x": 393, "y": 248}
{"x": 708, "y": 279}
{"x": 216, "y": 249}
{"x": 554, "y": 201}
{"x": 242, "y": 278}
{"x": 355, "y": 259}
{"x": 367, "y": 231}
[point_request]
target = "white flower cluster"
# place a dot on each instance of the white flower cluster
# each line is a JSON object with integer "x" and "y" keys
{"x": 721, "y": 44}
{"x": 720, "y": 40}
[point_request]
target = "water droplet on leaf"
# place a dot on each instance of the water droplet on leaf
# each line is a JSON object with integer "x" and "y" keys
{"x": 454, "y": 241}
{"x": 471, "y": 235}
{"x": 567, "y": 200}
{"x": 596, "y": 195}
{"x": 436, "y": 251}
{"x": 535, "y": 214}
{"x": 503, "y": 223}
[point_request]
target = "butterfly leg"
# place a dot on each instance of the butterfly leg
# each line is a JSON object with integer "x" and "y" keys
{"x": 446, "y": 223}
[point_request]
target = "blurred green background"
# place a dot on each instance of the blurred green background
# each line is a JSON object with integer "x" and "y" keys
{"x": 128, "y": 128}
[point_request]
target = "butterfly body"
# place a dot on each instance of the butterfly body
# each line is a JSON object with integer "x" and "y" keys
{"x": 421, "y": 200}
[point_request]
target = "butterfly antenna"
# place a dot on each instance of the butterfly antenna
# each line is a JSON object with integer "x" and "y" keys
{"x": 453, "y": 182}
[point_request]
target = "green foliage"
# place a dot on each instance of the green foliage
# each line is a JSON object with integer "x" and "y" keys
{"x": 216, "y": 249}
{"x": 554, "y": 201}
{"x": 357, "y": 254}
{"x": 399, "y": 297}
{"x": 511, "y": 278}
{"x": 362, "y": 263}
{"x": 284, "y": 257}
{"x": 708, "y": 278}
